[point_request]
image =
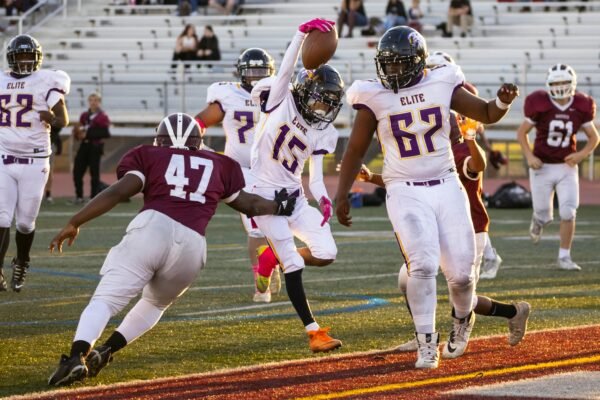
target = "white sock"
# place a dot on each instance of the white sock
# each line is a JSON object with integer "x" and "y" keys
{"x": 312, "y": 327}
{"x": 564, "y": 253}
{"x": 92, "y": 322}
{"x": 139, "y": 320}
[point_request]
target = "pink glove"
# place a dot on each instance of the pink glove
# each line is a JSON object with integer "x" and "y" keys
{"x": 326, "y": 209}
{"x": 318, "y": 23}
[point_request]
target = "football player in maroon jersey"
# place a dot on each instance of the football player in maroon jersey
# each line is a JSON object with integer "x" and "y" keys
{"x": 557, "y": 114}
{"x": 164, "y": 247}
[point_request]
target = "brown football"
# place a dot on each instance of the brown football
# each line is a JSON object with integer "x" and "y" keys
{"x": 318, "y": 48}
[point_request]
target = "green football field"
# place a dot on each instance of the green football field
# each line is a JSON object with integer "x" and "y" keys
{"x": 215, "y": 325}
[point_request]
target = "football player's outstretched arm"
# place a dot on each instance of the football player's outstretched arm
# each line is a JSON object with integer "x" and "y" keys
{"x": 523, "y": 140}
{"x": 211, "y": 115}
{"x": 363, "y": 128}
{"x": 477, "y": 161}
{"x": 592, "y": 134}
{"x": 488, "y": 112}
{"x": 123, "y": 189}
{"x": 253, "y": 205}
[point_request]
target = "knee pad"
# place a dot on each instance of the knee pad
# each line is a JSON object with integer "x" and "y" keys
{"x": 402, "y": 279}
{"x": 26, "y": 228}
{"x": 545, "y": 216}
{"x": 423, "y": 269}
{"x": 327, "y": 252}
{"x": 5, "y": 220}
{"x": 292, "y": 262}
{"x": 567, "y": 212}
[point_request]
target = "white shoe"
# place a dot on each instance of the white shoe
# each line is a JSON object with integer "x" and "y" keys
{"x": 275, "y": 285}
{"x": 517, "y": 325}
{"x": 459, "y": 336}
{"x": 262, "y": 297}
{"x": 567, "y": 264}
{"x": 428, "y": 353}
{"x": 411, "y": 345}
{"x": 535, "y": 230}
{"x": 490, "y": 267}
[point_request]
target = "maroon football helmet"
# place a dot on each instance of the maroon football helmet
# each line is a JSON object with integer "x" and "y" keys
{"x": 180, "y": 131}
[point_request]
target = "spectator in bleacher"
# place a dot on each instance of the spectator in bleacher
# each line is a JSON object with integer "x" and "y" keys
{"x": 414, "y": 15}
{"x": 395, "y": 14}
{"x": 459, "y": 13}
{"x": 92, "y": 129}
{"x": 186, "y": 45}
{"x": 352, "y": 13}
{"x": 20, "y": 6}
{"x": 225, "y": 7}
{"x": 208, "y": 48}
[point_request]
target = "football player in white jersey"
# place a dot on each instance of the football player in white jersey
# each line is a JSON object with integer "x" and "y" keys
{"x": 31, "y": 101}
{"x": 409, "y": 106}
{"x": 295, "y": 126}
{"x": 231, "y": 104}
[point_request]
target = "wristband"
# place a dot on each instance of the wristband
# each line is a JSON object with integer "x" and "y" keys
{"x": 200, "y": 122}
{"x": 501, "y": 105}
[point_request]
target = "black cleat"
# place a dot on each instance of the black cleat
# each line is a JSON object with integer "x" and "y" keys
{"x": 3, "y": 284}
{"x": 98, "y": 358}
{"x": 19, "y": 272}
{"x": 70, "y": 369}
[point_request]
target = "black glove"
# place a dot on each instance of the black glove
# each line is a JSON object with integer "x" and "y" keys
{"x": 285, "y": 203}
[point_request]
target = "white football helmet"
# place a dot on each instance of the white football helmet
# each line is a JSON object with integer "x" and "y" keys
{"x": 561, "y": 81}
{"x": 439, "y": 58}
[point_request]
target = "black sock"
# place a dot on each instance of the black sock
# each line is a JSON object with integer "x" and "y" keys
{"x": 48, "y": 193}
{"x": 116, "y": 342}
{"x": 503, "y": 310}
{"x": 295, "y": 290}
{"x": 24, "y": 242}
{"x": 4, "y": 241}
{"x": 80, "y": 347}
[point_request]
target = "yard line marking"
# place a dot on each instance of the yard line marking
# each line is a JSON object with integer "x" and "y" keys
{"x": 455, "y": 378}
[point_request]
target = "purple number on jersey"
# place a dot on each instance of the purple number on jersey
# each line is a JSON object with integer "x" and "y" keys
{"x": 4, "y": 111}
{"x": 400, "y": 124}
{"x": 293, "y": 142}
{"x": 26, "y": 100}
{"x": 246, "y": 117}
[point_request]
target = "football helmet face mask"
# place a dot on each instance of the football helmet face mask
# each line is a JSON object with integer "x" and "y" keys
{"x": 253, "y": 65}
{"x": 318, "y": 94}
{"x": 400, "y": 58}
{"x": 561, "y": 81}
{"x": 24, "y": 55}
{"x": 439, "y": 58}
{"x": 179, "y": 131}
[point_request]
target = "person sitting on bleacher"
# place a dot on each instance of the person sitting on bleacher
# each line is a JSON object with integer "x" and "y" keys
{"x": 225, "y": 7}
{"x": 459, "y": 13}
{"x": 208, "y": 48}
{"x": 186, "y": 45}
{"x": 414, "y": 15}
{"x": 395, "y": 14}
{"x": 352, "y": 13}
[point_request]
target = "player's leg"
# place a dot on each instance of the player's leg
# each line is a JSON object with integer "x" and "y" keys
{"x": 410, "y": 345}
{"x": 458, "y": 263}
{"x": 567, "y": 190}
{"x": 491, "y": 260}
{"x": 8, "y": 203}
{"x": 128, "y": 267}
{"x": 79, "y": 167}
{"x": 95, "y": 156}
{"x": 256, "y": 243}
{"x": 306, "y": 226}
{"x": 30, "y": 192}
{"x": 415, "y": 226}
{"x": 542, "y": 182}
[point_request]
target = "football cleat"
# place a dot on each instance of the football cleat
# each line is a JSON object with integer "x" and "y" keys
{"x": 428, "y": 352}
{"x": 98, "y": 358}
{"x": 70, "y": 369}
{"x": 262, "y": 297}
{"x": 266, "y": 264}
{"x": 3, "y": 284}
{"x": 535, "y": 230}
{"x": 321, "y": 342}
{"x": 19, "y": 273}
{"x": 275, "y": 286}
{"x": 567, "y": 264}
{"x": 459, "y": 336}
{"x": 490, "y": 267}
{"x": 411, "y": 345}
{"x": 517, "y": 325}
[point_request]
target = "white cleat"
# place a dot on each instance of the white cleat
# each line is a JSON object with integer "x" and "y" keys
{"x": 567, "y": 264}
{"x": 517, "y": 325}
{"x": 411, "y": 345}
{"x": 275, "y": 285}
{"x": 262, "y": 297}
{"x": 459, "y": 336}
{"x": 490, "y": 267}
{"x": 535, "y": 230}
{"x": 428, "y": 352}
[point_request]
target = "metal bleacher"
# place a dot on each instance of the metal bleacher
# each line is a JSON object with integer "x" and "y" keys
{"x": 127, "y": 56}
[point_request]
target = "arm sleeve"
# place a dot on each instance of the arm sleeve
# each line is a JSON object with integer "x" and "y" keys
{"x": 280, "y": 85}
{"x": 233, "y": 180}
{"x": 591, "y": 114}
{"x": 59, "y": 86}
{"x": 316, "y": 184}
{"x": 132, "y": 163}
{"x": 531, "y": 114}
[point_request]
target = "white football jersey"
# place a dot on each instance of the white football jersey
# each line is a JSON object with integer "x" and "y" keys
{"x": 21, "y": 131}
{"x": 241, "y": 118}
{"x": 413, "y": 125}
{"x": 284, "y": 141}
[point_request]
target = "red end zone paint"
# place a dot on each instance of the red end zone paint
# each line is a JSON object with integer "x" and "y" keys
{"x": 377, "y": 375}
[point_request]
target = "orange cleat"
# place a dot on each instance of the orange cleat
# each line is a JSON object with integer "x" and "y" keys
{"x": 321, "y": 342}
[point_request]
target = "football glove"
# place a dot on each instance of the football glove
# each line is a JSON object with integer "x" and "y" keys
{"x": 285, "y": 203}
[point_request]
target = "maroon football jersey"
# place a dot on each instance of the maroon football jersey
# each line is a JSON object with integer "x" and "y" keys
{"x": 479, "y": 215}
{"x": 556, "y": 126}
{"x": 185, "y": 185}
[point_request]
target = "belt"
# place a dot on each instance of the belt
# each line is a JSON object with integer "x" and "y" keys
{"x": 8, "y": 159}
{"x": 432, "y": 182}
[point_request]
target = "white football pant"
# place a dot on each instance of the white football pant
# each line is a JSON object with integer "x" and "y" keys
{"x": 561, "y": 178}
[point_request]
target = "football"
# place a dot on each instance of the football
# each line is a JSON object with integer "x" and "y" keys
{"x": 318, "y": 48}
